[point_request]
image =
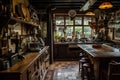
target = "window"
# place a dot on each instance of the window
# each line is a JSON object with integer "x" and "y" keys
{"x": 69, "y": 21}
{"x": 60, "y": 30}
{"x": 87, "y": 31}
{"x": 69, "y": 31}
{"x": 117, "y": 33}
{"x": 60, "y": 20}
{"x": 87, "y": 20}
{"x": 69, "y": 28}
{"x": 78, "y": 21}
{"x": 78, "y": 30}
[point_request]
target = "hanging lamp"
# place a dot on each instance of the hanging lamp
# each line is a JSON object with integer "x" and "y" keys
{"x": 89, "y": 13}
{"x": 106, "y": 5}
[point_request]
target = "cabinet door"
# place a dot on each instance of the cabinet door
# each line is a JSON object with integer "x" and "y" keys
{"x": 24, "y": 76}
{"x": 30, "y": 71}
{"x": 47, "y": 62}
{"x": 36, "y": 75}
{"x": 62, "y": 51}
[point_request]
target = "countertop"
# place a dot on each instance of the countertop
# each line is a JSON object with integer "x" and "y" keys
{"x": 104, "y": 51}
{"x": 88, "y": 42}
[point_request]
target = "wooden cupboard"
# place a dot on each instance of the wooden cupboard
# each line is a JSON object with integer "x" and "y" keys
{"x": 66, "y": 51}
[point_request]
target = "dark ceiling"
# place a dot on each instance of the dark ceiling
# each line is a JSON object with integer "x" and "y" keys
{"x": 57, "y": 4}
{"x": 69, "y": 4}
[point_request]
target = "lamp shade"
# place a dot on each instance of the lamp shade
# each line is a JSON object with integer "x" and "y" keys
{"x": 106, "y": 5}
{"x": 89, "y": 13}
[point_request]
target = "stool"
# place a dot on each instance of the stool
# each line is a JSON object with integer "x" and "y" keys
{"x": 86, "y": 71}
{"x": 82, "y": 61}
{"x": 81, "y": 56}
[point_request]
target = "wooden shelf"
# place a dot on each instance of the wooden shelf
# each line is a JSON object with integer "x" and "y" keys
{"x": 13, "y": 20}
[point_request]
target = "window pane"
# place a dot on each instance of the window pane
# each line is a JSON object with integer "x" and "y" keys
{"x": 68, "y": 21}
{"x": 60, "y": 30}
{"x": 87, "y": 31}
{"x": 69, "y": 31}
{"x": 60, "y": 20}
{"x": 87, "y": 20}
{"x": 78, "y": 30}
{"x": 78, "y": 20}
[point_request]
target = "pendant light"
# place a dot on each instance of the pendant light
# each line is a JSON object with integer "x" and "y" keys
{"x": 89, "y": 13}
{"x": 106, "y": 5}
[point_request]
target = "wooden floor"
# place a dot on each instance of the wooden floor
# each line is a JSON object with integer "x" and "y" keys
{"x": 63, "y": 70}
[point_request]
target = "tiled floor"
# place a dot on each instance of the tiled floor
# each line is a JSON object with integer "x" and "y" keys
{"x": 63, "y": 70}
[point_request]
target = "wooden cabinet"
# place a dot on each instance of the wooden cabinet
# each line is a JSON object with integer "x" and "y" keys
{"x": 74, "y": 51}
{"x": 33, "y": 67}
{"x": 23, "y": 76}
{"x": 66, "y": 51}
{"x": 60, "y": 51}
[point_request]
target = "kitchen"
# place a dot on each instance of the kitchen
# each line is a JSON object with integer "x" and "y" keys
{"x": 56, "y": 29}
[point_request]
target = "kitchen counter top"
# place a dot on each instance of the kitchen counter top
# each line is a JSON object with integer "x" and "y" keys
{"x": 104, "y": 51}
{"x": 89, "y": 42}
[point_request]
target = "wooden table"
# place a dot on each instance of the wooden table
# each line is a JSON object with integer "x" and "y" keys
{"x": 99, "y": 56}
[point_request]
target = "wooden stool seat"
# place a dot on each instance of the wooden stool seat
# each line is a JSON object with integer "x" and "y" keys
{"x": 83, "y": 59}
{"x": 86, "y": 71}
{"x": 81, "y": 62}
{"x": 87, "y": 65}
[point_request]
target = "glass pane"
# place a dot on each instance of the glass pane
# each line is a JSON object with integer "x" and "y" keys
{"x": 60, "y": 20}
{"x": 78, "y": 20}
{"x": 87, "y": 20}
{"x": 87, "y": 31}
{"x": 78, "y": 31}
{"x": 60, "y": 31}
{"x": 68, "y": 21}
{"x": 69, "y": 31}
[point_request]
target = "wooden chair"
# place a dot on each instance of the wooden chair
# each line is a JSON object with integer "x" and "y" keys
{"x": 113, "y": 72}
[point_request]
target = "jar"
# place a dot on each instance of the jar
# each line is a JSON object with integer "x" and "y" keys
{"x": 5, "y": 64}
